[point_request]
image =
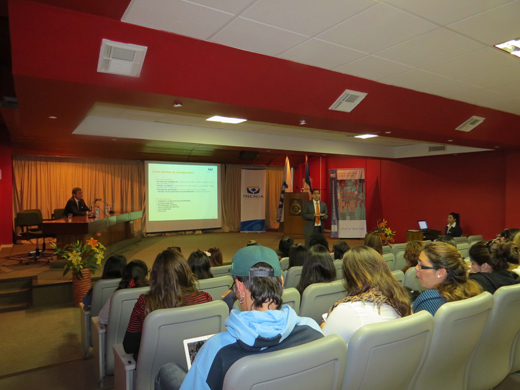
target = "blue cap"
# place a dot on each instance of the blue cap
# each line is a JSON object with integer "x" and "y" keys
{"x": 247, "y": 257}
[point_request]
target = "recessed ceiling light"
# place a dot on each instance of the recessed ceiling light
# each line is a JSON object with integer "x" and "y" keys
{"x": 512, "y": 47}
{"x": 387, "y": 132}
{"x": 450, "y": 140}
{"x": 302, "y": 122}
{"x": 225, "y": 119}
{"x": 177, "y": 105}
{"x": 365, "y": 136}
{"x": 53, "y": 117}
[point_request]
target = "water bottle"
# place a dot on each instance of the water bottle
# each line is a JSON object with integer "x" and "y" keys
{"x": 98, "y": 212}
{"x": 107, "y": 209}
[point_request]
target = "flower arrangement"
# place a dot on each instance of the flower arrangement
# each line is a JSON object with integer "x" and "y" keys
{"x": 387, "y": 235}
{"x": 81, "y": 256}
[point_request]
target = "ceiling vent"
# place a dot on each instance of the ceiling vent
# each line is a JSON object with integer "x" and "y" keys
{"x": 121, "y": 58}
{"x": 470, "y": 124}
{"x": 348, "y": 101}
{"x": 437, "y": 148}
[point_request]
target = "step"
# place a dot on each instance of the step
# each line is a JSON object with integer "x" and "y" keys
{"x": 14, "y": 306}
{"x": 14, "y": 291}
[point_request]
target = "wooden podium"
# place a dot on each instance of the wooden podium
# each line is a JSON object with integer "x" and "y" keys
{"x": 292, "y": 213}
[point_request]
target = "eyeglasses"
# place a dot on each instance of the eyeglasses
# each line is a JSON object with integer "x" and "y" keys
{"x": 422, "y": 267}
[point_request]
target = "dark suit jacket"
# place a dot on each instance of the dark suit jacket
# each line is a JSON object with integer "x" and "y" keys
{"x": 308, "y": 215}
{"x": 454, "y": 231}
{"x": 72, "y": 207}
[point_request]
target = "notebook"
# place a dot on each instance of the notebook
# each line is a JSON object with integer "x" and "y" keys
{"x": 192, "y": 348}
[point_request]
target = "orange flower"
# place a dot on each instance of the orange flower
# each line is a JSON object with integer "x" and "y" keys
{"x": 92, "y": 242}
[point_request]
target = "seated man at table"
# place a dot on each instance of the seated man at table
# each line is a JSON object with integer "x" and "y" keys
{"x": 76, "y": 205}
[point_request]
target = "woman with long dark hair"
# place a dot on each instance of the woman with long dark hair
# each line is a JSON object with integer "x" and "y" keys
{"x": 200, "y": 265}
{"x": 172, "y": 284}
{"x": 318, "y": 268}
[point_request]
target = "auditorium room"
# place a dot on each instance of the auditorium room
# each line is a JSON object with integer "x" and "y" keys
{"x": 260, "y": 194}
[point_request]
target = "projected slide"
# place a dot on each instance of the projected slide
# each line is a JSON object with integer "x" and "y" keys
{"x": 182, "y": 196}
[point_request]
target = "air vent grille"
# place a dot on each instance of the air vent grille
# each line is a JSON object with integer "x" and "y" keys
{"x": 439, "y": 148}
{"x": 348, "y": 101}
{"x": 470, "y": 124}
{"x": 121, "y": 58}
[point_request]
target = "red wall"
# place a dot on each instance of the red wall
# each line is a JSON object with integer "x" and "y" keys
{"x": 6, "y": 195}
{"x": 406, "y": 190}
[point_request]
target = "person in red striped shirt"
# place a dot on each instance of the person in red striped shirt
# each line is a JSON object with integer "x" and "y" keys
{"x": 172, "y": 284}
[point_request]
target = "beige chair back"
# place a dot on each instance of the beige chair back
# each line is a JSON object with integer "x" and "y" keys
{"x": 491, "y": 361}
{"x": 319, "y": 297}
{"x": 396, "y": 248}
{"x": 221, "y": 270}
{"x": 164, "y": 331}
{"x": 293, "y": 276}
{"x": 215, "y": 286}
{"x": 399, "y": 275}
{"x": 458, "y": 327}
{"x": 390, "y": 260}
{"x": 338, "y": 264}
{"x": 101, "y": 292}
{"x": 400, "y": 261}
{"x": 388, "y": 355}
{"x": 411, "y": 281}
{"x": 284, "y": 263}
{"x": 319, "y": 364}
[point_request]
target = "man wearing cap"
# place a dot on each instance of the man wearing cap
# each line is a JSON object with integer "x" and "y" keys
{"x": 263, "y": 325}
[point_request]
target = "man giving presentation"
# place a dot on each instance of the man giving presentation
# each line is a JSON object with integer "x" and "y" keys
{"x": 314, "y": 212}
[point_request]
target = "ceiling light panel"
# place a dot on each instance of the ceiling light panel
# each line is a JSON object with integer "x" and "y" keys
{"x": 224, "y": 119}
{"x": 366, "y": 136}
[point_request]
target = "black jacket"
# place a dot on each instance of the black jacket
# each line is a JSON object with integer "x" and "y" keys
{"x": 455, "y": 231}
{"x": 72, "y": 207}
{"x": 492, "y": 281}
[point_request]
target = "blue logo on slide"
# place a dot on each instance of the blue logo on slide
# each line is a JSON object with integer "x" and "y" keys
{"x": 253, "y": 190}
{"x": 210, "y": 169}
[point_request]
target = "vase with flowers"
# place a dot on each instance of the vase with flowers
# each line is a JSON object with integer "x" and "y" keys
{"x": 82, "y": 259}
{"x": 387, "y": 234}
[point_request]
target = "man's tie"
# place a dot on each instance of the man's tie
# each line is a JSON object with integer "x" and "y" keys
{"x": 318, "y": 211}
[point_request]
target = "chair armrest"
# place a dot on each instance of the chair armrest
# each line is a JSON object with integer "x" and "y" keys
{"x": 124, "y": 368}
{"x": 86, "y": 338}
{"x": 97, "y": 326}
{"x": 99, "y": 348}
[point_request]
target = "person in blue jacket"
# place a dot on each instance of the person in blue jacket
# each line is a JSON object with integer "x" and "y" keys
{"x": 263, "y": 325}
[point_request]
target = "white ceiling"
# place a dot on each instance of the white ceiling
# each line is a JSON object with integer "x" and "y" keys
{"x": 133, "y": 122}
{"x": 440, "y": 47}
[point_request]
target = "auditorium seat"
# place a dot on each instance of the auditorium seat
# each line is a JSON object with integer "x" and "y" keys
{"x": 399, "y": 276}
{"x": 101, "y": 292}
{"x": 220, "y": 271}
{"x": 463, "y": 248}
{"x": 491, "y": 361}
{"x": 387, "y": 249}
{"x": 412, "y": 281}
{"x": 390, "y": 260}
{"x": 284, "y": 263}
{"x": 457, "y": 329}
{"x": 476, "y": 238}
{"x": 319, "y": 364}
{"x": 400, "y": 261}
{"x": 338, "y": 264}
{"x": 104, "y": 338}
{"x": 215, "y": 286}
{"x": 290, "y": 297}
{"x": 319, "y": 297}
{"x": 459, "y": 240}
{"x": 388, "y": 355}
{"x": 162, "y": 342}
{"x": 293, "y": 276}
{"x": 396, "y": 248}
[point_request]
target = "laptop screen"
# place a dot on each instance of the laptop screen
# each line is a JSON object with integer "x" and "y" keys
{"x": 192, "y": 347}
{"x": 423, "y": 225}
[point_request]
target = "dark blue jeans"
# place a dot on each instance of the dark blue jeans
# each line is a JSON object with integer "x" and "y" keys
{"x": 170, "y": 377}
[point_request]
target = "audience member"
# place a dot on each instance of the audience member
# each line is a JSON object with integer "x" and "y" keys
{"x": 175, "y": 248}
{"x": 263, "y": 326}
{"x": 453, "y": 228}
{"x": 135, "y": 274}
{"x": 339, "y": 248}
{"x": 318, "y": 268}
{"x": 215, "y": 257}
{"x": 508, "y": 252}
{"x": 411, "y": 254}
{"x": 200, "y": 264}
{"x": 172, "y": 284}
{"x": 318, "y": 239}
{"x": 112, "y": 270}
{"x": 508, "y": 234}
{"x": 490, "y": 269}
{"x": 447, "y": 239}
{"x": 441, "y": 270}
{"x": 297, "y": 255}
{"x": 373, "y": 240}
{"x": 373, "y": 294}
{"x": 284, "y": 246}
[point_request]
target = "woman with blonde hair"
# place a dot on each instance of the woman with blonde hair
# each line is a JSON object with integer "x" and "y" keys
{"x": 373, "y": 294}
{"x": 172, "y": 284}
{"x": 442, "y": 271}
{"x": 411, "y": 254}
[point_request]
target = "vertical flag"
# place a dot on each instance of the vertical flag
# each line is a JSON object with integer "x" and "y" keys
{"x": 307, "y": 187}
{"x": 286, "y": 186}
